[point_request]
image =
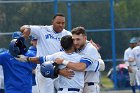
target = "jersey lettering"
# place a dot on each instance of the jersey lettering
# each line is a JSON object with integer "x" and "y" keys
{"x": 49, "y": 36}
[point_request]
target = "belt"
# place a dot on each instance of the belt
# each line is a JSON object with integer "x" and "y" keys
{"x": 90, "y": 83}
{"x": 70, "y": 89}
{"x": 133, "y": 65}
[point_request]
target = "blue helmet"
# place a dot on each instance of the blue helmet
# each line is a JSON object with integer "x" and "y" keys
{"x": 47, "y": 69}
{"x": 16, "y": 35}
{"x": 17, "y": 47}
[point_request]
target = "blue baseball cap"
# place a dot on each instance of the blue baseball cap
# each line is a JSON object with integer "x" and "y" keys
{"x": 33, "y": 38}
{"x": 16, "y": 35}
{"x": 133, "y": 40}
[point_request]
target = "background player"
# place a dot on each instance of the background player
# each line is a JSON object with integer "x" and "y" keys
{"x": 132, "y": 68}
{"x": 32, "y": 52}
{"x": 48, "y": 42}
{"x": 135, "y": 57}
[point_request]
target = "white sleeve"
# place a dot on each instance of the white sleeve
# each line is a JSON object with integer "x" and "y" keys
{"x": 126, "y": 57}
{"x": 93, "y": 67}
{"x": 35, "y": 30}
{"x": 93, "y": 55}
{"x": 49, "y": 57}
{"x": 96, "y": 65}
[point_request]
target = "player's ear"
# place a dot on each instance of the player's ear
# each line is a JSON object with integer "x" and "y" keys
{"x": 85, "y": 38}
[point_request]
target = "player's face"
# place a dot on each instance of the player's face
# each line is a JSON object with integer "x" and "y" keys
{"x": 132, "y": 45}
{"x": 79, "y": 41}
{"x": 34, "y": 42}
{"x": 58, "y": 23}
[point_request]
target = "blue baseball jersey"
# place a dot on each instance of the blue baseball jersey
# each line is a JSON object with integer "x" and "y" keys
{"x": 17, "y": 75}
{"x": 32, "y": 53}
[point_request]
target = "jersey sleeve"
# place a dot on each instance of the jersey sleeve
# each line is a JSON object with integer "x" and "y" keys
{"x": 35, "y": 30}
{"x": 48, "y": 58}
{"x": 91, "y": 64}
{"x": 93, "y": 54}
{"x": 126, "y": 56}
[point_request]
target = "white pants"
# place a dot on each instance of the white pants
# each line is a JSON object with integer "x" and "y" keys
{"x": 92, "y": 88}
{"x": 34, "y": 89}
{"x": 65, "y": 90}
{"x": 138, "y": 77}
{"x": 133, "y": 76}
{"x": 44, "y": 85}
{"x": 1, "y": 82}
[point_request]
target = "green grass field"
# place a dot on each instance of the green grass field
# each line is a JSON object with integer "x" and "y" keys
{"x": 106, "y": 82}
{"x": 108, "y": 86}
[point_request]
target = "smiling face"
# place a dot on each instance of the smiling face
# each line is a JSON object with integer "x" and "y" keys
{"x": 58, "y": 23}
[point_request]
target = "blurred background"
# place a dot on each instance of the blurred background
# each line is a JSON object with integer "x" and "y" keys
{"x": 109, "y": 23}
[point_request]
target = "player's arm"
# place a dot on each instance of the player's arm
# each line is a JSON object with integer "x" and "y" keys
{"x": 37, "y": 60}
{"x": 80, "y": 66}
{"x": 131, "y": 56}
{"x": 126, "y": 57}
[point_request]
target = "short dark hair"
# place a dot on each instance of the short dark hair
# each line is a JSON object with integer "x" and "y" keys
{"x": 58, "y": 14}
{"x": 66, "y": 42}
{"x": 79, "y": 30}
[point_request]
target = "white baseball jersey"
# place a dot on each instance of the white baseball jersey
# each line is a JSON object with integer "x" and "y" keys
{"x": 91, "y": 51}
{"x": 48, "y": 42}
{"x": 136, "y": 55}
{"x": 78, "y": 80}
{"x": 91, "y": 76}
{"x": 126, "y": 57}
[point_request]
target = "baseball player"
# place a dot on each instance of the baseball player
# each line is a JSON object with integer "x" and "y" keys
{"x": 31, "y": 52}
{"x": 132, "y": 68}
{"x": 17, "y": 75}
{"x": 48, "y": 42}
{"x": 134, "y": 58}
{"x": 91, "y": 82}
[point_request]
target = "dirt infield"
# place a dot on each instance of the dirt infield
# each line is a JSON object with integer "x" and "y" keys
{"x": 119, "y": 91}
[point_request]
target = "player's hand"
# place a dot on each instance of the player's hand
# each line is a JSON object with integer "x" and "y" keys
{"x": 21, "y": 58}
{"x": 130, "y": 69}
{"x": 58, "y": 60}
{"x": 66, "y": 72}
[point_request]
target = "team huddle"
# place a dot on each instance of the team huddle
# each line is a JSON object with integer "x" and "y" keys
{"x": 66, "y": 61}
